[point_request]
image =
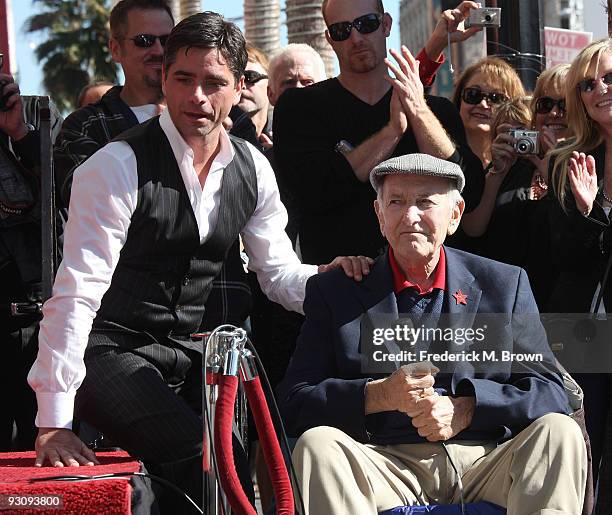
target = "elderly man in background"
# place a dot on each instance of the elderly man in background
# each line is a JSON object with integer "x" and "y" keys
{"x": 370, "y": 441}
{"x": 295, "y": 66}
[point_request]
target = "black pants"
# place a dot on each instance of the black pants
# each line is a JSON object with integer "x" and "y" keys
{"x": 145, "y": 396}
{"x": 19, "y": 350}
{"x": 597, "y": 405}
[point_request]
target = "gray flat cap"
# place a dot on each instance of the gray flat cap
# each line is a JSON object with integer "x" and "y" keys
{"x": 418, "y": 164}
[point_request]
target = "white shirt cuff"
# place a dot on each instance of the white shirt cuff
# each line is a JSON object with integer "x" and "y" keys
{"x": 55, "y": 409}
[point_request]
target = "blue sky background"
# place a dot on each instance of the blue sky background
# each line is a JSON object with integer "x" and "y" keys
{"x": 30, "y": 76}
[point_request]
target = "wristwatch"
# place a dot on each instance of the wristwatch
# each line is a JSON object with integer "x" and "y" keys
{"x": 343, "y": 147}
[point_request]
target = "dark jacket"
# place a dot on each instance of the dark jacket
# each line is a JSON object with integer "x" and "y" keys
{"x": 580, "y": 248}
{"x": 85, "y": 132}
{"x": 325, "y": 385}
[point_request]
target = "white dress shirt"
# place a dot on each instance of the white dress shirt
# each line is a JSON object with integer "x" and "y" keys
{"x": 104, "y": 197}
{"x": 145, "y": 112}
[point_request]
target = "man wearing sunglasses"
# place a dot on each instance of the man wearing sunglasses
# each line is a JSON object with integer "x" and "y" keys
{"x": 139, "y": 29}
{"x": 254, "y": 102}
{"x": 348, "y": 124}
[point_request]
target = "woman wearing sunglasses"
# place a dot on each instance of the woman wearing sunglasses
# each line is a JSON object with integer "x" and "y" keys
{"x": 581, "y": 179}
{"x": 511, "y": 216}
{"x": 480, "y": 88}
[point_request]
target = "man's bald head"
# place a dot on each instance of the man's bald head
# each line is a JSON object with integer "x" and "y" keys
{"x": 377, "y": 4}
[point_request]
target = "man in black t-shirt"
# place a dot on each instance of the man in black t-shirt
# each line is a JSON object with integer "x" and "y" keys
{"x": 328, "y": 137}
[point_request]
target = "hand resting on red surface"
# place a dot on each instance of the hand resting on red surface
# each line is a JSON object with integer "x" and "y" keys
{"x": 61, "y": 447}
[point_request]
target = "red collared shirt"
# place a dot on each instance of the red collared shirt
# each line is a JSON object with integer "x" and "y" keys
{"x": 401, "y": 283}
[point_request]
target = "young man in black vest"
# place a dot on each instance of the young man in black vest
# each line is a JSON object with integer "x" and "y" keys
{"x": 138, "y": 31}
{"x": 152, "y": 216}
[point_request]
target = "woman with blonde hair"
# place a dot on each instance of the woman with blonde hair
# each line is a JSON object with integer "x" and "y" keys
{"x": 581, "y": 180}
{"x": 480, "y": 88}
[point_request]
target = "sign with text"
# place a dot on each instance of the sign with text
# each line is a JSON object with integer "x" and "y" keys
{"x": 562, "y": 45}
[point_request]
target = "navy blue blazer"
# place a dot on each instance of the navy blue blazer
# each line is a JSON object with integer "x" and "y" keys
{"x": 324, "y": 383}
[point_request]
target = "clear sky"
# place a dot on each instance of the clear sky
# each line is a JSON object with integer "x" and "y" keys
{"x": 30, "y": 76}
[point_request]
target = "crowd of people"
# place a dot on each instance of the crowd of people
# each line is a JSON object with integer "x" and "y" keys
{"x": 221, "y": 185}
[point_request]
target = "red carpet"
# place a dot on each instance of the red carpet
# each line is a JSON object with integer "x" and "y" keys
{"x": 108, "y": 496}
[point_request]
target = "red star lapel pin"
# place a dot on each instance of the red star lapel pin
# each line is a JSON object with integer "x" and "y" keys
{"x": 460, "y": 297}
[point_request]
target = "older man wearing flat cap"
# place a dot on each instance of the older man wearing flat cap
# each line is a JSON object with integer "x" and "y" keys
{"x": 371, "y": 441}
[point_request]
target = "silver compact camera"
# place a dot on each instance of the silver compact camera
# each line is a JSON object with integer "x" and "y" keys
{"x": 526, "y": 141}
{"x": 484, "y": 17}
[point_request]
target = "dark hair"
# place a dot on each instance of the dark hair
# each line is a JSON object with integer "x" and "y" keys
{"x": 87, "y": 87}
{"x": 379, "y": 7}
{"x": 119, "y": 13}
{"x": 208, "y": 30}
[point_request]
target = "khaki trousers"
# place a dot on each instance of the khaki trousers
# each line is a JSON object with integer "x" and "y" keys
{"x": 541, "y": 470}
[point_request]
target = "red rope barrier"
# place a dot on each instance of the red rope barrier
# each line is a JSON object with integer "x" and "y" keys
{"x": 224, "y": 414}
{"x": 271, "y": 448}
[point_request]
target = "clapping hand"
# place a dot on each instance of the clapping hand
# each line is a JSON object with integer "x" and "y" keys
{"x": 583, "y": 181}
{"x": 406, "y": 83}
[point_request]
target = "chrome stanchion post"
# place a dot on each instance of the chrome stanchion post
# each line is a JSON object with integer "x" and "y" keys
{"x": 223, "y": 348}
{"x": 248, "y": 366}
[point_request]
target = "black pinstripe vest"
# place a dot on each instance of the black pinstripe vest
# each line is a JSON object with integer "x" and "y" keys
{"x": 164, "y": 274}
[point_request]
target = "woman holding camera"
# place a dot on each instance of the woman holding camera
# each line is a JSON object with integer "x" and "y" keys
{"x": 511, "y": 216}
{"x": 481, "y": 87}
{"x": 581, "y": 179}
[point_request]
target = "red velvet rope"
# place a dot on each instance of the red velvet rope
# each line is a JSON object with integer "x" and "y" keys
{"x": 271, "y": 448}
{"x": 224, "y": 414}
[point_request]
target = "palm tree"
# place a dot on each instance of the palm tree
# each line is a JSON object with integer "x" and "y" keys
{"x": 75, "y": 47}
{"x": 305, "y": 24}
{"x": 262, "y": 24}
{"x": 189, "y": 7}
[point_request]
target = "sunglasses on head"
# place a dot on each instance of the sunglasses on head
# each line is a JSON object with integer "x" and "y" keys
{"x": 252, "y": 77}
{"x": 545, "y": 105}
{"x": 587, "y": 85}
{"x": 364, "y": 24}
{"x": 148, "y": 40}
{"x": 474, "y": 96}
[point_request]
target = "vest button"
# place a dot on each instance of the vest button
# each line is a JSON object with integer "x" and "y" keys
{"x": 185, "y": 281}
